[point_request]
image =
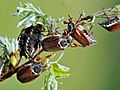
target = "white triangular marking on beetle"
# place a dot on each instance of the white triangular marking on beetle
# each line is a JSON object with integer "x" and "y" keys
{"x": 78, "y": 32}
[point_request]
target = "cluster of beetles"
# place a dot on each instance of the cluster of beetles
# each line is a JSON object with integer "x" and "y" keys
{"x": 32, "y": 42}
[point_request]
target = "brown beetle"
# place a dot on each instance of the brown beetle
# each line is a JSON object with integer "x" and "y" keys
{"x": 77, "y": 31}
{"x": 30, "y": 40}
{"x": 33, "y": 68}
{"x": 30, "y": 71}
{"x": 55, "y": 43}
{"x": 83, "y": 37}
{"x": 111, "y": 24}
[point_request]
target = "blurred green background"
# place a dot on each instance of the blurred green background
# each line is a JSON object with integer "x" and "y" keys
{"x": 92, "y": 68}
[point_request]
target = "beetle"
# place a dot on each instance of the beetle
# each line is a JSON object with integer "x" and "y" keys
{"x": 55, "y": 43}
{"x": 29, "y": 71}
{"x": 111, "y": 24}
{"x": 112, "y": 19}
{"x": 30, "y": 40}
{"x": 77, "y": 31}
{"x": 33, "y": 68}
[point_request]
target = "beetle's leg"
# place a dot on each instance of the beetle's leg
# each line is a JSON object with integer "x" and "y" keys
{"x": 90, "y": 24}
{"x": 47, "y": 58}
{"x": 36, "y": 57}
{"x": 90, "y": 31}
{"x": 105, "y": 14}
{"x": 86, "y": 20}
{"x": 40, "y": 52}
{"x": 74, "y": 45}
{"x": 69, "y": 18}
{"x": 80, "y": 17}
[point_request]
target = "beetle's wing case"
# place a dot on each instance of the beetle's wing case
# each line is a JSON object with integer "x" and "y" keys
{"x": 82, "y": 36}
{"x": 1, "y": 65}
{"x": 112, "y": 24}
{"x": 55, "y": 43}
{"x": 30, "y": 71}
{"x": 30, "y": 40}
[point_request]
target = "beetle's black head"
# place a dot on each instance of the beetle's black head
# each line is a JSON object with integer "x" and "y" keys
{"x": 71, "y": 26}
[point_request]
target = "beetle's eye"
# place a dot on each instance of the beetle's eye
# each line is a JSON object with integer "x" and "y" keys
{"x": 18, "y": 10}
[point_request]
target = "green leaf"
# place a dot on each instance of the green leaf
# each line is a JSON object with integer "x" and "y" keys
{"x": 9, "y": 46}
{"x": 29, "y": 14}
{"x": 50, "y": 83}
{"x": 28, "y": 20}
{"x": 56, "y": 71}
{"x": 59, "y": 70}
